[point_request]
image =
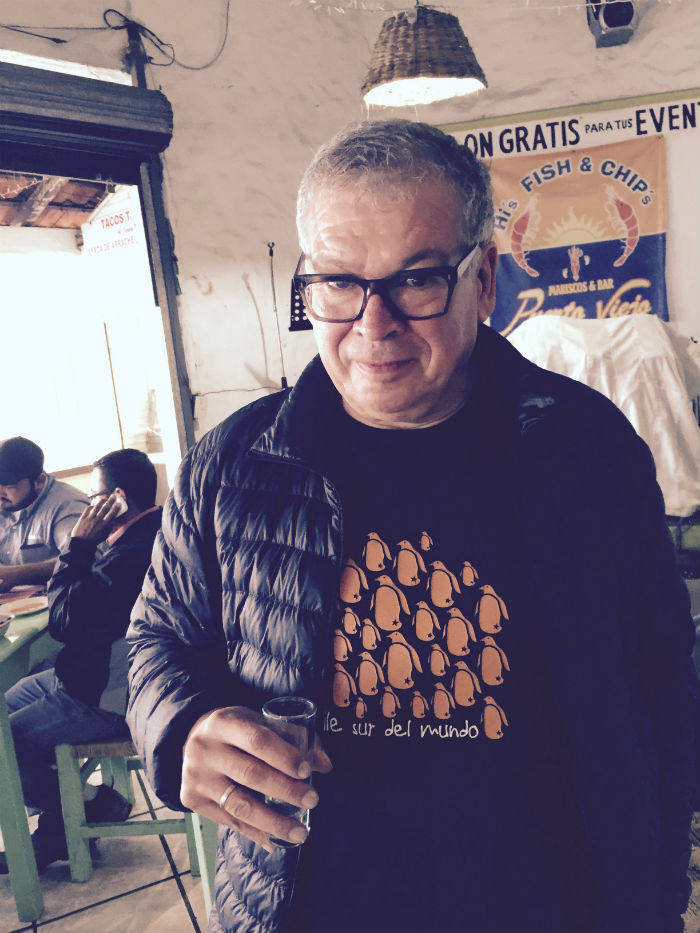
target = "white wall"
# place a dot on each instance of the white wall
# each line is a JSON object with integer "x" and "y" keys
{"x": 288, "y": 78}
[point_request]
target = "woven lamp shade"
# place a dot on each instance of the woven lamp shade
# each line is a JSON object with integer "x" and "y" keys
{"x": 421, "y": 57}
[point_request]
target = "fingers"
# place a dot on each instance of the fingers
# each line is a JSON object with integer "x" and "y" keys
{"x": 233, "y": 746}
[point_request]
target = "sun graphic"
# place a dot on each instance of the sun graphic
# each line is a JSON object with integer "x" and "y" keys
{"x": 573, "y": 229}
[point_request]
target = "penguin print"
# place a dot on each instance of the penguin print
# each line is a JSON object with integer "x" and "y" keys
{"x": 438, "y": 660}
{"x": 360, "y": 708}
{"x": 425, "y": 622}
{"x": 390, "y": 703}
{"x": 425, "y": 542}
{"x": 458, "y": 633}
{"x": 493, "y": 719}
{"x": 369, "y": 674}
{"x": 370, "y": 634}
{"x": 469, "y": 575}
{"x": 350, "y": 621}
{"x": 408, "y": 564}
{"x": 443, "y": 704}
{"x": 419, "y": 705}
{"x": 342, "y": 646}
{"x": 388, "y": 602}
{"x": 352, "y": 582}
{"x": 375, "y": 553}
{"x": 492, "y": 661}
{"x": 490, "y": 610}
{"x": 442, "y": 584}
{"x": 344, "y": 686}
{"x": 464, "y": 684}
{"x": 400, "y": 660}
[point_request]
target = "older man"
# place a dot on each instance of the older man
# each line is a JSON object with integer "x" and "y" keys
{"x": 462, "y": 559}
{"x": 37, "y": 513}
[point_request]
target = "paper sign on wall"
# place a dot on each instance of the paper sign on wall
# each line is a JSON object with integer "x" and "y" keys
{"x": 581, "y": 233}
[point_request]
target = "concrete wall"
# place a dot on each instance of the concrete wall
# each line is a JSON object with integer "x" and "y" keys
{"x": 288, "y": 77}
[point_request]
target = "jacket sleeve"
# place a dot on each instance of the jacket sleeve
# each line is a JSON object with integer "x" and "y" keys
{"x": 621, "y": 638}
{"x": 87, "y": 594}
{"x": 178, "y": 667}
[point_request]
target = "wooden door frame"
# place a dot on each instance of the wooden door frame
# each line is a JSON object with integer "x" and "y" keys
{"x": 61, "y": 124}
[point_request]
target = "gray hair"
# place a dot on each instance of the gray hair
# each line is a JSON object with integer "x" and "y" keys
{"x": 401, "y": 154}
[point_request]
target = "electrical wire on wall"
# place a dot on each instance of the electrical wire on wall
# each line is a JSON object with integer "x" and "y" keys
{"x": 115, "y": 20}
{"x": 271, "y": 248}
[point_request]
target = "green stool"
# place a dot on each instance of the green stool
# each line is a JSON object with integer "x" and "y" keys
{"x": 117, "y": 760}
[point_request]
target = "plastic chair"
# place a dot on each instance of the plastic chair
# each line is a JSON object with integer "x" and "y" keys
{"x": 117, "y": 760}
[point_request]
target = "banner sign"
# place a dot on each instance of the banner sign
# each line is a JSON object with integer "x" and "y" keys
{"x": 581, "y": 233}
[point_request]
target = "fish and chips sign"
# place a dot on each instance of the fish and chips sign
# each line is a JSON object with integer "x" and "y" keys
{"x": 581, "y": 233}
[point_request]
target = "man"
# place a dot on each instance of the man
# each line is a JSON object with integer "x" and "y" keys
{"x": 462, "y": 559}
{"x": 37, "y": 513}
{"x": 83, "y": 697}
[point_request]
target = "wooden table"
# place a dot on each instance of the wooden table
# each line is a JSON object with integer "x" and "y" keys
{"x": 27, "y": 643}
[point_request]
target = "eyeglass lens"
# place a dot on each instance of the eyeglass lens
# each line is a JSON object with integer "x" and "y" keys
{"x": 415, "y": 293}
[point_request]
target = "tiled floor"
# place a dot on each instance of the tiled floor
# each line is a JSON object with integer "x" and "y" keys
{"x": 139, "y": 885}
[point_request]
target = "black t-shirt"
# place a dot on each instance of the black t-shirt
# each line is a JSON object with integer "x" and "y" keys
{"x": 450, "y": 806}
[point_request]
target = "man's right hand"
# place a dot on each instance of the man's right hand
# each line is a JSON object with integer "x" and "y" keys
{"x": 233, "y": 745}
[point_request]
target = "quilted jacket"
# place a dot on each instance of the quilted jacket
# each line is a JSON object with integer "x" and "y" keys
{"x": 237, "y": 607}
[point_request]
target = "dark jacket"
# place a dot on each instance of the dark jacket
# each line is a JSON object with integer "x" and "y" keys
{"x": 91, "y": 594}
{"x": 238, "y": 604}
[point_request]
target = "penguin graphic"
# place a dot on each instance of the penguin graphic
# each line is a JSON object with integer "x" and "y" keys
{"x": 438, "y": 660}
{"x": 360, "y": 708}
{"x": 344, "y": 686}
{"x": 371, "y": 636}
{"x": 458, "y": 632}
{"x": 469, "y": 574}
{"x": 351, "y": 621}
{"x": 490, "y": 610}
{"x": 493, "y": 719}
{"x": 352, "y": 582}
{"x": 342, "y": 646}
{"x": 388, "y": 602}
{"x": 425, "y": 542}
{"x": 442, "y": 583}
{"x": 390, "y": 703}
{"x": 375, "y": 553}
{"x": 408, "y": 564}
{"x": 464, "y": 683}
{"x": 492, "y": 661}
{"x": 400, "y": 659}
{"x": 419, "y": 705}
{"x": 443, "y": 704}
{"x": 368, "y": 674}
{"x": 425, "y": 622}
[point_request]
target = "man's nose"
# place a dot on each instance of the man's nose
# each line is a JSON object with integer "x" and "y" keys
{"x": 377, "y": 321}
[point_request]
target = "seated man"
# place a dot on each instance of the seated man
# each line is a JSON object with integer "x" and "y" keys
{"x": 37, "y": 513}
{"x": 83, "y": 697}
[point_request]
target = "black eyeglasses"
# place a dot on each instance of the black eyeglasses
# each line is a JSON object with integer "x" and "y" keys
{"x": 412, "y": 294}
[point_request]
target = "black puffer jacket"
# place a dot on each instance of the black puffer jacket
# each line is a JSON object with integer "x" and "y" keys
{"x": 237, "y": 606}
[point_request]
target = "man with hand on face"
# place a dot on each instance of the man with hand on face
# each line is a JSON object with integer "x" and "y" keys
{"x": 462, "y": 559}
{"x": 37, "y": 513}
{"x": 91, "y": 593}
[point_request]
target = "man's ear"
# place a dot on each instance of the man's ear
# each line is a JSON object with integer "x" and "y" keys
{"x": 486, "y": 277}
{"x": 40, "y": 481}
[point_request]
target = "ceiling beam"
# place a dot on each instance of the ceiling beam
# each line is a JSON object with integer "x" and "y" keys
{"x": 37, "y": 201}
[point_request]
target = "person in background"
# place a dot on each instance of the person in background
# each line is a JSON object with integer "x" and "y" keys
{"x": 462, "y": 559}
{"x": 37, "y": 513}
{"x": 82, "y": 698}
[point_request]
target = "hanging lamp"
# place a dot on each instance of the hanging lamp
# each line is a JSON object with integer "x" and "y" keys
{"x": 420, "y": 57}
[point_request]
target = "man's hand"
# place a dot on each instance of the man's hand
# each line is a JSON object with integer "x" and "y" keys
{"x": 233, "y": 745}
{"x": 97, "y": 520}
{"x": 8, "y": 576}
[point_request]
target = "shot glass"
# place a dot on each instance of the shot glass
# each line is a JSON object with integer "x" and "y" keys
{"x": 293, "y": 719}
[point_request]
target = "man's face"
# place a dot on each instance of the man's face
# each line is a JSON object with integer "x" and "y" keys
{"x": 16, "y": 496}
{"x": 391, "y": 372}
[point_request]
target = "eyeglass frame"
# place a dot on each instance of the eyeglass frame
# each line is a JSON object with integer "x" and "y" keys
{"x": 380, "y": 287}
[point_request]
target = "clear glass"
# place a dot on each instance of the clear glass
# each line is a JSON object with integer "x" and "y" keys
{"x": 292, "y": 718}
